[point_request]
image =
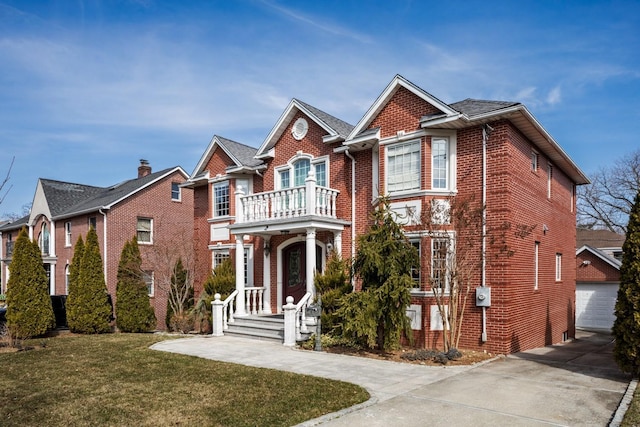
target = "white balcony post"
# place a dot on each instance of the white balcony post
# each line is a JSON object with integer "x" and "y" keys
{"x": 240, "y": 301}
{"x": 310, "y": 190}
{"x": 239, "y": 207}
{"x": 266, "y": 276}
{"x": 289, "y": 322}
{"x": 218, "y": 325}
{"x": 311, "y": 260}
{"x": 337, "y": 242}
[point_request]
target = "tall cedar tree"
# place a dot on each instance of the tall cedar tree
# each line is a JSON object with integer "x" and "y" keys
{"x": 29, "y": 311}
{"x": 88, "y": 308}
{"x": 626, "y": 327}
{"x": 133, "y": 310}
{"x": 377, "y": 315}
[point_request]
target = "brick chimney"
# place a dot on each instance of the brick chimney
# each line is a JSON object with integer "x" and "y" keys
{"x": 144, "y": 169}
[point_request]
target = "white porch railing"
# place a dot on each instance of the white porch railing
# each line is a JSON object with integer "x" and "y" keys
{"x": 253, "y": 300}
{"x": 308, "y": 199}
{"x": 222, "y": 313}
{"x": 295, "y": 319}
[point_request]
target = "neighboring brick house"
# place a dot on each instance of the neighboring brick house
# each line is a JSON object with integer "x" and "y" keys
{"x": 154, "y": 207}
{"x": 598, "y": 261}
{"x": 313, "y": 182}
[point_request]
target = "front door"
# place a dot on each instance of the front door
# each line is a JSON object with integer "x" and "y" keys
{"x": 294, "y": 277}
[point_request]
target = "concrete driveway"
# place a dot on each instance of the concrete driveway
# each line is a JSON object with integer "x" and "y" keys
{"x": 572, "y": 384}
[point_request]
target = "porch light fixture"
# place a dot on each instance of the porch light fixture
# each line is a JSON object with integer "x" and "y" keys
{"x": 267, "y": 247}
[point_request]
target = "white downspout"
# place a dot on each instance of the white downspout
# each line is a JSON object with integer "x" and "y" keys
{"x": 484, "y": 227}
{"x": 353, "y": 207}
{"x": 104, "y": 238}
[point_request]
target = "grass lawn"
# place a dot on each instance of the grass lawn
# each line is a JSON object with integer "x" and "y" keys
{"x": 632, "y": 417}
{"x": 115, "y": 379}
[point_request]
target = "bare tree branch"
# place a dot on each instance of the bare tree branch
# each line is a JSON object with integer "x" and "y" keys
{"x": 607, "y": 201}
{"x": 5, "y": 181}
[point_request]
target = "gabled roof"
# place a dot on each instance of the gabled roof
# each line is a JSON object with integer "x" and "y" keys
{"x": 602, "y": 255}
{"x": 243, "y": 156}
{"x": 466, "y": 113}
{"x": 59, "y": 199}
{"x": 337, "y": 130}
{"x": 383, "y": 99}
{"x": 14, "y": 225}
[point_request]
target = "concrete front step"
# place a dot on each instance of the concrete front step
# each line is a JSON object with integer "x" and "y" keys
{"x": 270, "y": 328}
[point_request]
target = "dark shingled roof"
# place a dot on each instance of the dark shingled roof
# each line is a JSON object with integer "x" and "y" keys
{"x": 341, "y": 127}
{"x": 242, "y": 152}
{"x": 474, "y": 107}
{"x": 66, "y": 199}
{"x": 598, "y": 238}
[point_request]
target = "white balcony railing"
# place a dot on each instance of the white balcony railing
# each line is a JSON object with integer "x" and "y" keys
{"x": 287, "y": 203}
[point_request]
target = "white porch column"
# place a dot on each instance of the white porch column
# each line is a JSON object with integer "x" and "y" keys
{"x": 266, "y": 276}
{"x": 311, "y": 260}
{"x": 310, "y": 189}
{"x": 239, "y": 208}
{"x": 337, "y": 242}
{"x": 240, "y": 299}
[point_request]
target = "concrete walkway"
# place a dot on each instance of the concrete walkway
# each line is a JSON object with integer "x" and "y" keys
{"x": 576, "y": 383}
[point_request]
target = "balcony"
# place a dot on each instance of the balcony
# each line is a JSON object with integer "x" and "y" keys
{"x": 289, "y": 203}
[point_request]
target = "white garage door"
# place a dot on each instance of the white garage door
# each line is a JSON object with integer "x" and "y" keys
{"x": 595, "y": 304}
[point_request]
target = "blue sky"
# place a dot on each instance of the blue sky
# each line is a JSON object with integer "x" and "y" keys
{"x": 87, "y": 88}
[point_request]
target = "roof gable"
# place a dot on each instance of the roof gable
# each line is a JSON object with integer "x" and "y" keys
{"x": 243, "y": 156}
{"x": 387, "y": 94}
{"x": 337, "y": 130}
{"x": 601, "y": 255}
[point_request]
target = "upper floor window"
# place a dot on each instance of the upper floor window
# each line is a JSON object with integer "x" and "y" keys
{"x": 144, "y": 230}
{"x": 534, "y": 161}
{"x": 221, "y": 205}
{"x": 67, "y": 233}
{"x": 92, "y": 222}
{"x": 44, "y": 240}
{"x": 558, "y": 267}
{"x": 403, "y": 166}
{"x": 549, "y": 179}
{"x": 175, "y": 191}
{"x": 299, "y": 170}
{"x": 439, "y": 163}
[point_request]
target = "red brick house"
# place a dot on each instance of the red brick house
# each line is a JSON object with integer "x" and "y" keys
{"x": 310, "y": 186}
{"x": 153, "y": 207}
{"x": 598, "y": 261}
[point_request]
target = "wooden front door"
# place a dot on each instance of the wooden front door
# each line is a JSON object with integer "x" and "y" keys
{"x": 294, "y": 271}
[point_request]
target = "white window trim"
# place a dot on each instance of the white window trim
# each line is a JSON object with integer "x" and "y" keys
{"x": 150, "y": 242}
{"x": 213, "y": 198}
{"x": 558, "y": 267}
{"x": 535, "y": 161}
{"x": 179, "y": 199}
{"x": 153, "y": 283}
{"x": 536, "y": 265}
{"x": 289, "y": 166}
{"x": 218, "y": 250}
{"x": 420, "y": 144}
{"x": 248, "y": 252}
{"x": 67, "y": 234}
{"x": 549, "y": 179}
{"x": 449, "y": 259}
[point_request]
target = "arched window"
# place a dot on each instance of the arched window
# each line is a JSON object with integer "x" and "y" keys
{"x": 44, "y": 240}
